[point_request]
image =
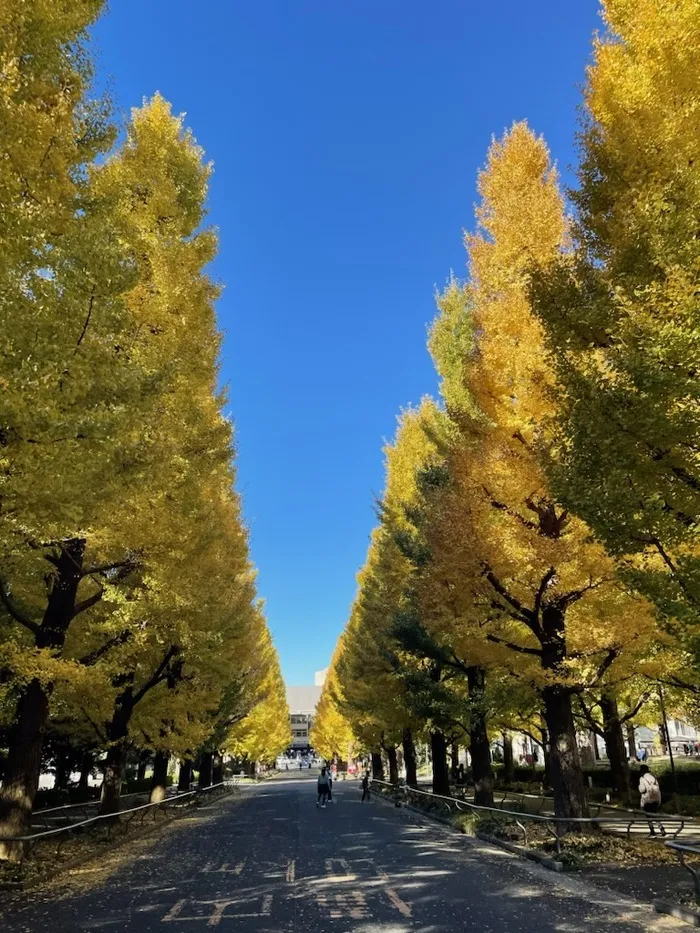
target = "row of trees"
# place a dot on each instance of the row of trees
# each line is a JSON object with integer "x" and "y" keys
{"x": 128, "y": 606}
{"x": 536, "y": 567}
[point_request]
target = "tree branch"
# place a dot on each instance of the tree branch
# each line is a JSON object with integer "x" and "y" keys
{"x": 568, "y": 599}
{"x": 633, "y": 712}
{"x": 98, "y": 732}
{"x": 537, "y": 652}
{"x": 544, "y": 583}
{"x": 502, "y": 507}
{"x": 160, "y": 674}
{"x": 87, "y": 320}
{"x": 105, "y": 568}
{"x": 588, "y": 716}
{"x": 612, "y": 654}
{"x": 87, "y": 603}
{"x": 523, "y": 614}
{"x": 89, "y": 659}
{"x": 14, "y": 612}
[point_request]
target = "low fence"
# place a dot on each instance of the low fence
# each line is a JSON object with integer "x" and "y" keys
{"x": 627, "y": 824}
{"x": 683, "y": 850}
{"x": 112, "y": 823}
{"x": 70, "y": 813}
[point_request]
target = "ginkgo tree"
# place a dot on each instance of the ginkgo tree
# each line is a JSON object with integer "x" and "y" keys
{"x": 126, "y": 591}
{"x": 620, "y": 309}
{"x": 538, "y": 590}
{"x": 331, "y": 731}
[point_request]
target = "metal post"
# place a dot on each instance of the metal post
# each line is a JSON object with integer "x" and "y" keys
{"x": 668, "y": 738}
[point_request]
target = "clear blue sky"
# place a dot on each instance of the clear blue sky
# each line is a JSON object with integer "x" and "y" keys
{"x": 346, "y": 137}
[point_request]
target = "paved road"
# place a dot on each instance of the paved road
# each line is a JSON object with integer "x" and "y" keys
{"x": 273, "y": 862}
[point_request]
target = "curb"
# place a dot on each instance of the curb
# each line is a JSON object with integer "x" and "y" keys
{"x": 625, "y": 907}
{"x": 550, "y": 863}
{"x": 680, "y": 913}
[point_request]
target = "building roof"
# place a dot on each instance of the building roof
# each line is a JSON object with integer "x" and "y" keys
{"x": 303, "y": 699}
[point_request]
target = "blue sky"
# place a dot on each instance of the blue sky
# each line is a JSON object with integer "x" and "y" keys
{"x": 346, "y": 137}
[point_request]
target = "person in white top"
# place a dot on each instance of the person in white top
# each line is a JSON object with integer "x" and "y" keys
{"x": 649, "y": 790}
{"x": 650, "y": 796}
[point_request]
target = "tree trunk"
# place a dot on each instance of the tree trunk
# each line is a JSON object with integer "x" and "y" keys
{"x": 631, "y": 742}
{"x": 479, "y": 739}
{"x": 115, "y": 762}
{"x": 205, "y": 769}
{"x": 409, "y": 757}
{"x": 64, "y": 761}
{"x": 508, "y": 761}
{"x": 22, "y": 768}
{"x": 86, "y": 765}
{"x": 594, "y": 745}
{"x": 185, "y": 776}
{"x": 144, "y": 758}
{"x": 377, "y": 767}
{"x": 26, "y": 738}
{"x": 393, "y": 765}
{"x": 160, "y": 777}
{"x": 113, "y": 777}
{"x": 441, "y": 776}
{"x": 615, "y": 747}
{"x": 565, "y": 775}
{"x": 217, "y": 771}
{"x": 454, "y": 761}
{"x": 546, "y": 759}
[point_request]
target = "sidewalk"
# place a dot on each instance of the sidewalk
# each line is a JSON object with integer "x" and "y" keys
{"x": 643, "y": 883}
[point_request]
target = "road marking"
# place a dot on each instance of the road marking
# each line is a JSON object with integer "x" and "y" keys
{"x": 291, "y": 871}
{"x": 236, "y": 870}
{"x": 346, "y": 873}
{"x": 401, "y": 905}
{"x": 346, "y": 903}
{"x": 174, "y": 911}
{"x": 214, "y": 918}
{"x": 218, "y": 914}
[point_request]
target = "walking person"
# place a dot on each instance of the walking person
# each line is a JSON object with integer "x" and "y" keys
{"x": 322, "y": 789}
{"x": 365, "y": 787}
{"x": 330, "y": 787}
{"x": 650, "y": 798}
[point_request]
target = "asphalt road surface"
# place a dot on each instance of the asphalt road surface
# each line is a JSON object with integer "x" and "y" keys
{"x": 273, "y": 862}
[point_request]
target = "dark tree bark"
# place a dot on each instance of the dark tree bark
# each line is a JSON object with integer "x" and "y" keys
{"x": 86, "y": 765}
{"x": 23, "y": 767}
{"x": 479, "y": 739}
{"x": 409, "y": 757}
{"x": 565, "y": 773}
{"x": 631, "y": 743}
{"x": 160, "y": 776}
{"x": 508, "y": 760}
{"x": 565, "y": 767}
{"x": 217, "y": 770}
{"x": 377, "y": 767}
{"x": 144, "y": 758}
{"x": 206, "y": 763}
{"x": 64, "y": 762}
{"x": 393, "y": 765}
{"x": 113, "y": 777}
{"x": 115, "y": 762}
{"x": 117, "y": 728}
{"x": 441, "y": 775}
{"x": 185, "y": 776}
{"x": 615, "y": 747}
{"x": 546, "y": 759}
{"x": 26, "y": 738}
{"x": 454, "y": 761}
